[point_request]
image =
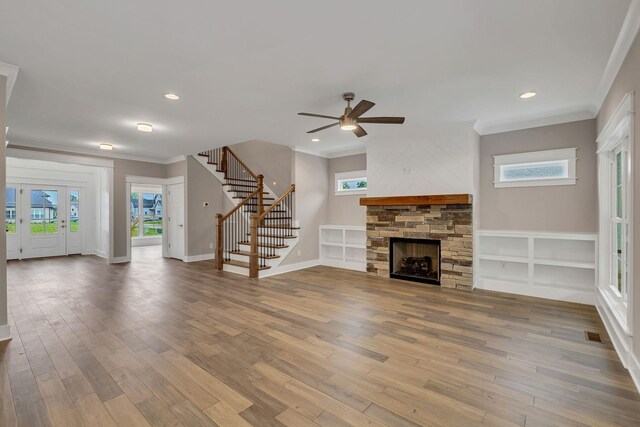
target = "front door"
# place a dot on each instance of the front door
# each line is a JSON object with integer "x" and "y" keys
{"x": 44, "y": 221}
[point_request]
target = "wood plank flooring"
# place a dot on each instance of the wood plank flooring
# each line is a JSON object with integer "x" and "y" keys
{"x": 161, "y": 342}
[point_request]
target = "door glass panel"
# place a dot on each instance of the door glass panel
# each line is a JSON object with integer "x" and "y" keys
{"x": 51, "y": 211}
{"x": 152, "y": 211}
{"x": 10, "y": 212}
{"x": 74, "y": 215}
{"x": 135, "y": 215}
{"x": 37, "y": 212}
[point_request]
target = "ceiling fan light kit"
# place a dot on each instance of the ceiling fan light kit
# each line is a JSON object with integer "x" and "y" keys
{"x": 351, "y": 119}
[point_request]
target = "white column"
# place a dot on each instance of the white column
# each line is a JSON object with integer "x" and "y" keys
{"x": 4, "y": 320}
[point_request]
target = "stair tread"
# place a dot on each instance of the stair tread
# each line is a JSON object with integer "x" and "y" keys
{"x": 240, "y": 179}
{"x": 279, "y": 227}
{"x": 264, "y": 198}
{"x": 277, "y": 217}
{"x": 245, "y": 264}
{"x": 247, "y": 253}
{"x": 265, "y": 246}
{"x": 239, "y": 185}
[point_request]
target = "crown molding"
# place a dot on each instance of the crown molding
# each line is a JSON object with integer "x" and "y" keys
{"x": 626, "y": 37}
{"x": 331, "y": 154}
{"x": 483, "y": 127}
{"x": 93, "y": 153}
{"x": 11, "y": 73}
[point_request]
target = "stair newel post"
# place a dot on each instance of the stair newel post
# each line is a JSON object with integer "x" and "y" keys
{"x": 260, "y": 194}
{"x": 223, "y": 161}
{"x": 219, "y": 242}
{"x": 253, "y": 257}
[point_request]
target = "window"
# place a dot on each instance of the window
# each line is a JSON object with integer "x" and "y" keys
{"x": 146, "y": 214}
{"x": 152, "y": 204}
{"x": 351, "y": 183}
{"x": 135, "y": 215}
{"x": 615, "y": 198}
{"x": 539, "y": 168}
{"x": 10, "y": 212}
{"x": 44, "y": 211}
{"x": 74, "y": 211}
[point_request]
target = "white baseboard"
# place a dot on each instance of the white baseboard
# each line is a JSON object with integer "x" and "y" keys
{"x": 5, "y": 333}
{"x": 289, "y": 267}
{"x": 146, "y": 241}
{"x": 119, "y": 260}
{"x": 622, "y": 342}
{"x": 99, "y": 254}
{"x": 195, "y": 258}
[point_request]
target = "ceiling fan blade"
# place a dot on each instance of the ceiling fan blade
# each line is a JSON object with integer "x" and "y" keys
{"x": 362, "y": 107}
{"x": 382, "y": 120}
{"x": 323, "y": 127}
{"x": 359, "y": 132}
{"x": 318, "y": 115}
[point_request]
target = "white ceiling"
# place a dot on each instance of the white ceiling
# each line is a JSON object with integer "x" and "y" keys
{"x": 90, "y": 70}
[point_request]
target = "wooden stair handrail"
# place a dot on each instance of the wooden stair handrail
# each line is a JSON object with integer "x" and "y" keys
{"x": 277, "y": 202}
{"x": 244, "y": 165}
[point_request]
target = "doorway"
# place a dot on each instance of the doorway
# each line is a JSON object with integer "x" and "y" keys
{"x": 156, "y": 218}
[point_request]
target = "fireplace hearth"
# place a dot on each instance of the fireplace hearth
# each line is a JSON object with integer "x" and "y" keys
{"x": 415, "y": 259}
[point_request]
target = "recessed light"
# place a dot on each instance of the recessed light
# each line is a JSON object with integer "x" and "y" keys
{"x": 171, "y": 96}
{"x": 106, "y": 147}
{"x": 315, "y": 140}
{"x": 528, "y": 95}
{"x": 145, "y": 127}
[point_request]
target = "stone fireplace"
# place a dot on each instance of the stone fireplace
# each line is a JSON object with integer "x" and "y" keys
{"x": 445, "y": 221}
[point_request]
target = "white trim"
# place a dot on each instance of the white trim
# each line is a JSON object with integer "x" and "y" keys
{"x": 634, "y": 370}
{"x": 627, "y": 35}
{"x": 289, "y": 268}
{"x": 196, "y": 258}
{"x": 91, "y": 152}
{"x": 175, "y": 159}
{"x": 617, "y": 124}
{"x": 5, "y": 332}
{"x": 484, "y": 127}
{"x": 11, "y": 72}
{"x": 20, "y": 153}
{"x": 120, "y": 260}
{"x": 331, "y": 154}
{"x": 150, "y": 180}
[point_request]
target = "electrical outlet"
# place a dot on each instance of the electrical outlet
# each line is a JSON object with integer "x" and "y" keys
{"x": 299, "y": 252}
{"x": 211, "y": 245}
{"x": 205, "y": 204}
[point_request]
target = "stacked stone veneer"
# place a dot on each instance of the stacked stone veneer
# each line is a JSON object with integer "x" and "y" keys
{"x": 451, "y": 224}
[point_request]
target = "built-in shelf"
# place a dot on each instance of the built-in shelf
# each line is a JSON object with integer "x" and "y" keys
{"x": 558, "y": 266}
{"x": 343, "y": 246}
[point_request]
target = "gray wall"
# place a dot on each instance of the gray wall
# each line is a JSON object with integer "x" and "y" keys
{"x": 274, "y": 161}
{"x": 345, "y": 210}
{"x": 177, "y": 169}
{"x": 3, "y": 191}
{"x": 627, "y": 80}
{"x": 567, "y": 208}
{"x": 202, "y": 186}
{"x": 312, "y": 186}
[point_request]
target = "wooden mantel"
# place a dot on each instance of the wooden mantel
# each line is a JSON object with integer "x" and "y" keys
{"x": 436, "y": 199}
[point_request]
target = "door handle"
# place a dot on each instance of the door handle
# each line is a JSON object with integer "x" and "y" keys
{"x": 180, "y": 225}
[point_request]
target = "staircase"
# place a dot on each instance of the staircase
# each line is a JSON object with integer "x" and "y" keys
{"x": 257, "y": 234}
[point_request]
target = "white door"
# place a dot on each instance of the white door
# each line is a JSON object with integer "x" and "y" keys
{"x": 12, "y": 222}
{"x": 176, "y": 220}
{"x": 44, "y": 221}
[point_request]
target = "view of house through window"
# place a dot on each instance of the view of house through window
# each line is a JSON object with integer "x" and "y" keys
{"x": 10, "y": 210}
{"x": 74, "y": 212}
{"x": 146, "y": 214}
{"x": 44, "y": 211}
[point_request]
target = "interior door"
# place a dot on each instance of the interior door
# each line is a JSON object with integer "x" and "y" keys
{"x": 176, "y": 220}
{"x": 44, "y": 221}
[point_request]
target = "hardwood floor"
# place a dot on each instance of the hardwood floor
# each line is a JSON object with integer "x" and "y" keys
{"x": 161, "y": 342}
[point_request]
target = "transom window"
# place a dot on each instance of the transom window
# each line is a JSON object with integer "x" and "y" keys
{"x": 351, "y": 183}
{"x": 539, "y": 168}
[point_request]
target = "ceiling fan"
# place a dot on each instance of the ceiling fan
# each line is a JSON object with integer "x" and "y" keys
{"x": 351, "y": 119}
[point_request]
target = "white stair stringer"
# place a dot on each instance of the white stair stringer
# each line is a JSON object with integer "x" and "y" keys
{"x": 281, "y": 252}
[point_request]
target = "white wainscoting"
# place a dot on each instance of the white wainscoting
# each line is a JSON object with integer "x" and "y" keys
{"x": 559, "y": 266}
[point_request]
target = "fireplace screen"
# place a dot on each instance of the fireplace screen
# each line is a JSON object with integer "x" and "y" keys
{"x": 415, "y": 259}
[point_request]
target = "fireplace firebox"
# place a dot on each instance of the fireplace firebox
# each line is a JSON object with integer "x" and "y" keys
{"x": 415, "y": 259}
